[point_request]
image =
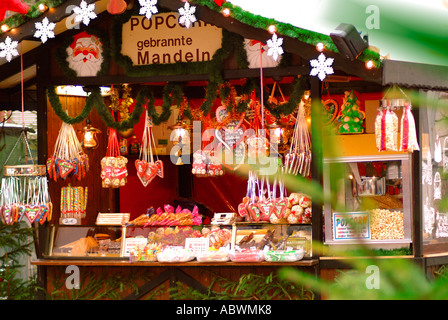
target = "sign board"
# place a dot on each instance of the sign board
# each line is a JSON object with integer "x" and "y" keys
{"x": 351, "y": 225}
{"x": 112, "y": 219}
{"x": 130, "y": 244}
{"x": 162, "y": 40}
{"x": 196, "y": 245}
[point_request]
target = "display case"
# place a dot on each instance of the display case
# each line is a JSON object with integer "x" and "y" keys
{"x": 371, "y": 201}
{"x": 272, "y": 237}
{"x": 76, "y": 241}
{"x": 434, "y": 169}
{"x": 206, "y": 242}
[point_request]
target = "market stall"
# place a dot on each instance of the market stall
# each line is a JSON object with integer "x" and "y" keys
{"x": 196, "y": 141}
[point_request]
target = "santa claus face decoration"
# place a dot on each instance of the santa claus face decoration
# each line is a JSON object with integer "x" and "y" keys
{"x": 85, "y": 55}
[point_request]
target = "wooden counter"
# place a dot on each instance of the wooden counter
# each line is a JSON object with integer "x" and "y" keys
{"x": 151, "y": 280}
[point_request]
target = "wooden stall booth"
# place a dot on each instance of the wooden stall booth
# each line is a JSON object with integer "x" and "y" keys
{"x": 187, "y": 141}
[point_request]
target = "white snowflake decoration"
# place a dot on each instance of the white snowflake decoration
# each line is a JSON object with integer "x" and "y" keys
{"x": 148, "y": 8}
{"x": 321, "y": 67}
{"x": 187, "y": 17}
{"x": 85, "y": 12}
{"x": 8, "y": 49}
{"x": 44, "y": 30}
{"x": 275, "y": 47}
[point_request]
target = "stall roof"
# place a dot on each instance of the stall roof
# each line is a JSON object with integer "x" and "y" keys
{"x": 296, "y": 40}
{"x": 415, "y": 75}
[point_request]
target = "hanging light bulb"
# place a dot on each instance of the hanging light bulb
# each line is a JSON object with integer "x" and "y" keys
{"x": 180, "y": 136}
{"x": 279, "y": 134}
{"x": 89, "y": 140}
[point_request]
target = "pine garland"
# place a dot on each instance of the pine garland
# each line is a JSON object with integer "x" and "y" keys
{"x": 172, "y": 93}
{"x": 57, "y": 107}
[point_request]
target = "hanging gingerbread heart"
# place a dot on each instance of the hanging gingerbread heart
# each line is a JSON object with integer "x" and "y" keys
{"x": 64, "y": 168}
{"x": 151, "y": 171}
{"x": 7, "y": 214}
{"x": 140, "y": 165}
{"x": 159, "y": 165}
{"x": 31, "y": 212}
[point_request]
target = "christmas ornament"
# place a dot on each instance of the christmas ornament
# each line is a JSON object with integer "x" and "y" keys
{"x": 148, "y": 8}
{"x": 44, "y": 30}
{"x": 220, "y": 2}
{"x": 275, "y": 47}
{"x": 116, "y": 6}
{"x": 8, "y": 49}
{"x": 321, "y": 67}
{"x": 12, "y": 5}
{"x": 351, "y": 118}
{"x": 187, "y": 17}
{"x": 84, "y": 13}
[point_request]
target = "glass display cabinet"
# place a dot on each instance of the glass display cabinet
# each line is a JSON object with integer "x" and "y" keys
{"x": 371, "y": 201}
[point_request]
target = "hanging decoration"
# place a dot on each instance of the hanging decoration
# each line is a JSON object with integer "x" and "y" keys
{"x": 180, "y": 135}
{"x": 148, "y": 8}
{"x": 387, "y": 125}
{"x": 116, "y": 6}
{"x": 122, "y": 106}
{"x": 24, "y": 189}
{"x": 8, "y": 49}
{"x": 275, "y": 46}
{"x": 44, "y": 30}
{"x": 321, "y": 67}
{"x": 113, "y": 166}
{"x": 408, "y": 134}
{"x": 73, "y": 204}
{"x": 12, "y": 5}
{"x": 147, "y": 168}
{"x": 351, "y": 118}
{"x": 386, "y": 130}
{"x": 85, "y": 55}
{"x": 298, "y": 159}
{"x": 252, "y": 48}
{"x": 68, "y": 159}
{"x": 187, "y": 17}
{"x": 85, "y": 13}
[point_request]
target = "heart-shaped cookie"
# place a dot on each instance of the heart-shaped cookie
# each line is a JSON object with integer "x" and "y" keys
{"x": 151, "y": 171}
{"x": 254, "y": 212}
{"x": 7, "y": 214}
{"x": 65, "y": 168}
{"x": 279, "y": 208}
{"x": 140, "y": 165}
{"x": 159, "y": 165}
{"x": 31, "y": 212}
{"x": 265, "y": 209}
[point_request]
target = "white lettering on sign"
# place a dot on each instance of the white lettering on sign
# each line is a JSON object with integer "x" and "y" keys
{"x": 163, "y": 40}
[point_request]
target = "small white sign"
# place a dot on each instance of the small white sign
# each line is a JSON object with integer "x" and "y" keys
{"x": 351, "y": 225}
{"x": 196, "y": 245}
{"x": 130, "y": 244}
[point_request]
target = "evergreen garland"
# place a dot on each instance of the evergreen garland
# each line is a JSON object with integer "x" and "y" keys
{"x": 57, "y": 107}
